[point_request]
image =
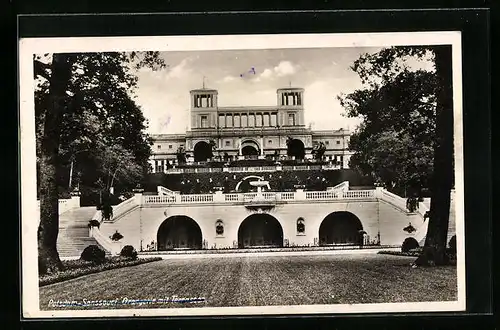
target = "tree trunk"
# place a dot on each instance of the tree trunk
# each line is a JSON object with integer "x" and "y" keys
{"x": 48, "y": 257}
{"x": 434, "y": 252}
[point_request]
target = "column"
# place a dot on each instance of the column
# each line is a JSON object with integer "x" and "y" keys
{"x": 262, "y": 145}
{"x": 239, "y": 146}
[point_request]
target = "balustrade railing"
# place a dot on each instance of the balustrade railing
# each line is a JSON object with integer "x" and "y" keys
{"x": 287, "y": 196}
{"x": 243, "y": 169}
{"x": 158, "y": 199}
{"x": 197, "y": 198}
{"x": 252, "y": 196}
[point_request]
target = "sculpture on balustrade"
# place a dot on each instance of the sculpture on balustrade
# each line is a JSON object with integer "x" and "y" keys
{"x": 318, "y": 150}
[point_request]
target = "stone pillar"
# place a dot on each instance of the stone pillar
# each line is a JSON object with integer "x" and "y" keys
{"x": 138, "y": 195}
{"x": 262, "y": 145}
{"x": 239, "y": 146}
{"x": 218, "y": 197}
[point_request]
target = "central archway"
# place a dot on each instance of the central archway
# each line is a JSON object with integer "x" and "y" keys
{"x": 260, "y": 230}
{"x": 296, "y": 149}
{"x": 340, "y": 228}
{"x": 202, "y": 151}
{"x": 179, "y": 232}
{"x": 249, "y": 151}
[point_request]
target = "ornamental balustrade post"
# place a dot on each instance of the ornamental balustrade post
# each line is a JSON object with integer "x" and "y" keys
{"x": 300, "y": 194}
{"x": 138, "y": 195}
{"x": 218, "y": 197}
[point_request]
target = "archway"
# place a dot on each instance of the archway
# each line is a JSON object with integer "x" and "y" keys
{"x": 249, "y": 151}
{"x": 340, "y": 228}
{"x": 202, "y": 151}
{"x": 179, "y": 232}
{"x": 296, "y": 149}
{"x": 260, "y": 230}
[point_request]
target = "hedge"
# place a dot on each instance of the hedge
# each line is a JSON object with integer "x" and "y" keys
{"x": 77, "y": 268}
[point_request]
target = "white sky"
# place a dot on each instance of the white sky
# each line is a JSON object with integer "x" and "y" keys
{"x": 323, "y": 72}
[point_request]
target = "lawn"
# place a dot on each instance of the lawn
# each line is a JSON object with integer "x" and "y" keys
{"x": 258, "y": 281}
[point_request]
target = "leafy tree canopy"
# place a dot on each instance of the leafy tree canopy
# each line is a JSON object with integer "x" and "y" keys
{"x": 101, "y": 115}
{"x": 397, "y": 105}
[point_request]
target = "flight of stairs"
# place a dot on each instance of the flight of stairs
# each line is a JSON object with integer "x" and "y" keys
{"x": 73, "y": 235}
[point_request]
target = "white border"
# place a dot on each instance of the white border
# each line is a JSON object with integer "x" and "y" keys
{"x": 30, "y": 46}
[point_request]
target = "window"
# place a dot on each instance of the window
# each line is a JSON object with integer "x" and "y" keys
{"x": 236, "y": 120}
{"x": 258, "y": 120}
{"x": 244, "y": 121}
{"x": 327, "y": 142}
{"x": 159, "y": 166}
{"x": 204, "y": 121}
{"x": 274, "y": 119}
{"x": 251, "y": 120}
{"x": 266, "y": 119}
{"x": 270, "y": 141}
{"x": 228, "y": 143}
{"x": 222, "y": 122}
{"x": 169, "y": 146}
{"x": 338, "y": 142}
{"x": 159, "y": 146}
{"x": 229, "y": 121}
{"x": 291, "y": 119}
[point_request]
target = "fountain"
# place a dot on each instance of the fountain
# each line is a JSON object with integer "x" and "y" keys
{"x": 259, "y": 184}
{"x": 259, "y": 202}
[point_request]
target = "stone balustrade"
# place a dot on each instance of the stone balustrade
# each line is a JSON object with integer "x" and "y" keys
{"x": 251, "y": 169}
{"x": 65, "y": 204}
{"x": 299, "y": 195}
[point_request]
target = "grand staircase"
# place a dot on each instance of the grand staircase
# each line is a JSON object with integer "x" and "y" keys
{"x": 74, "y": 232}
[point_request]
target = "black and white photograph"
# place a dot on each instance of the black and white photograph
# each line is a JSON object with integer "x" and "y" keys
{"x": 242, "y": 174}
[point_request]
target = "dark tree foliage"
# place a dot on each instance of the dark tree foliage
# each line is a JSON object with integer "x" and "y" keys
{"x": 405, "y": 140}
{"x": 85, "y": 113}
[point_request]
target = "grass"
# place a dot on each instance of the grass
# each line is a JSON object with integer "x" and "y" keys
{"x": 255, "y": 281}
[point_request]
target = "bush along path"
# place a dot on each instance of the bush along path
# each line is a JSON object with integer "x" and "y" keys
{"x": 92, "y": 261}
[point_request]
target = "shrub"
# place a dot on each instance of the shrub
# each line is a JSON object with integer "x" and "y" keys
{"x": 129, "y": 251}
{"x": 116, "y": 236}
{"x": 94, "y": 223}
{"x": 409, "y": 244}
{"x": 94, "y": 254}
{"x": 452, "y": 244}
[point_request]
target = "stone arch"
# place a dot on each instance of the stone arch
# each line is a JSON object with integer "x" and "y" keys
{"x": 341, "y": 228}
{"x": 202, "y": 151}
{"x": 260, "y": 230}
{"x": 250, "y": 177}
{"x": 250, "y": 147}
{"x": 296, "y": 149}
{"x": 179, "y": 232}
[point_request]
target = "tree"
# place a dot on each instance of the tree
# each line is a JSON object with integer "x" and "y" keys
{"x": 407, "y": 118}
{"x": 92, "y": 86}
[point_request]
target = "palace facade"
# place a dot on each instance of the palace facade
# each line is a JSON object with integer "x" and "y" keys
{"x": 248, "y": 132}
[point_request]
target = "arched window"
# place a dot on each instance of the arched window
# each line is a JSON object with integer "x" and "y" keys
{"x": 301, "y": 226}
{"x": 219, "y": 227}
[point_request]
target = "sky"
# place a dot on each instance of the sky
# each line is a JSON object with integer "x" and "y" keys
{"x": 250, "y": 78}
